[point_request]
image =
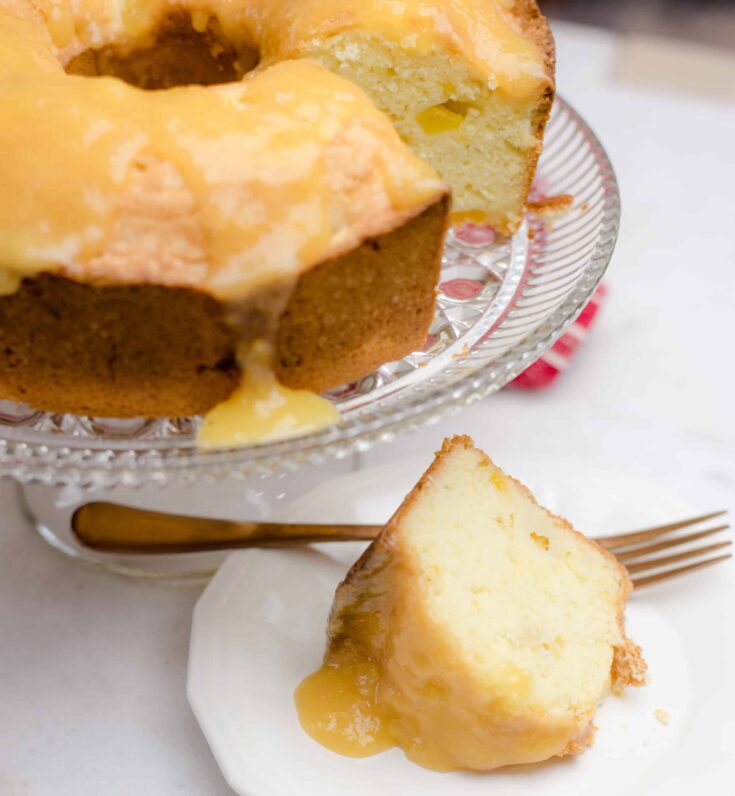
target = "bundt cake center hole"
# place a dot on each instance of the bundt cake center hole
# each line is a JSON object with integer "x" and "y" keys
{"x": 178, "y": 55}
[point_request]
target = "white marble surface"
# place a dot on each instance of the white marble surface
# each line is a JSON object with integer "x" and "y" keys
{"x": 92, "y": 667}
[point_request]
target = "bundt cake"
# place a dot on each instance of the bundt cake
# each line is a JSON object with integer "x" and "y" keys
{"x": 477, "y": 631}
{"x": 147, "y": 236}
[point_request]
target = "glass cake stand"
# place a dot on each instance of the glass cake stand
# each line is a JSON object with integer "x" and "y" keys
{"x": 501, "y": 303}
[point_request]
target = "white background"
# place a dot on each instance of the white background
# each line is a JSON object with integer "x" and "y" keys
{"x": 92, "y": 667}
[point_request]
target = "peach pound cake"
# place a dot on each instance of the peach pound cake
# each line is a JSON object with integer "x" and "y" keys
{"x": 477, "y": 631}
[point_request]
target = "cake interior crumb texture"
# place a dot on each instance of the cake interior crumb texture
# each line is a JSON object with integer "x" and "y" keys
{"x": 496, "y": 628}
{"x": 511, "y": 584}
{"x": 484, "y": 144}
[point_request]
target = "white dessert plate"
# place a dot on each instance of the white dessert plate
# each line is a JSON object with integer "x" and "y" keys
{"x": 260, "y": 627}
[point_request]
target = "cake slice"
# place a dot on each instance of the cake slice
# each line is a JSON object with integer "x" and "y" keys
{"x": 468, "y": 84}
{"x": 477, "y": 631}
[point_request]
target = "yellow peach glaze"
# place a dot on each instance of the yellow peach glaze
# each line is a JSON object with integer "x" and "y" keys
{"x": 261, "y": 409}
{"x": 478, "y": 30}
{"x": 272, "y": 164}
{"x": 262, "y": 157}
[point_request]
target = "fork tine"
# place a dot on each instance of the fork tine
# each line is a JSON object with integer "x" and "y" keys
{"x": 639, "y": 583}
{"x": 655, "y": 563}
{"x": 623, "y": 540}
{"x": 626, "y": 555}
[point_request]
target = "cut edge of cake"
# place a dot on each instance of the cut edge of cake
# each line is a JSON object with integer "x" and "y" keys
{"x": 627, "y": 668}
{"x": 484, "y": 143}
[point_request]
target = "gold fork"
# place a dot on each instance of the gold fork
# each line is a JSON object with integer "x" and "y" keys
{"x": 108, "y": 527}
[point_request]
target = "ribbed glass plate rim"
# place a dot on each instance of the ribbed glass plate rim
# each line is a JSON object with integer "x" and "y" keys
{"x": 69, "y": 460}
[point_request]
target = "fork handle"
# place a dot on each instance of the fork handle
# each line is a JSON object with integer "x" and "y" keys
{"x": 108, "y": 527}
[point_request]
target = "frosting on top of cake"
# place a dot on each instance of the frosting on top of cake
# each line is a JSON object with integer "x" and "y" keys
{"x": 481, "y": 31}
{"x": 228, "y": 188}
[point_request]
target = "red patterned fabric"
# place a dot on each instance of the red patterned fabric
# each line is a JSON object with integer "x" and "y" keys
{"x": 546, "y": 370}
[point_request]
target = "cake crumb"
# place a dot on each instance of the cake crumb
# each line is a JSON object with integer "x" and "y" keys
{"x": 551, "y": 205}
{"x": 662, "y": 716}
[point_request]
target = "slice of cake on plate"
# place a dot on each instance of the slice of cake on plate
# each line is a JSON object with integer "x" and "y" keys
{"x": 478, "y": 630}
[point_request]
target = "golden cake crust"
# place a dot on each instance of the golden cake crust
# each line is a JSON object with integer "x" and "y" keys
{"x": 126, "y": 350}
{"x": 535, "y": 26}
